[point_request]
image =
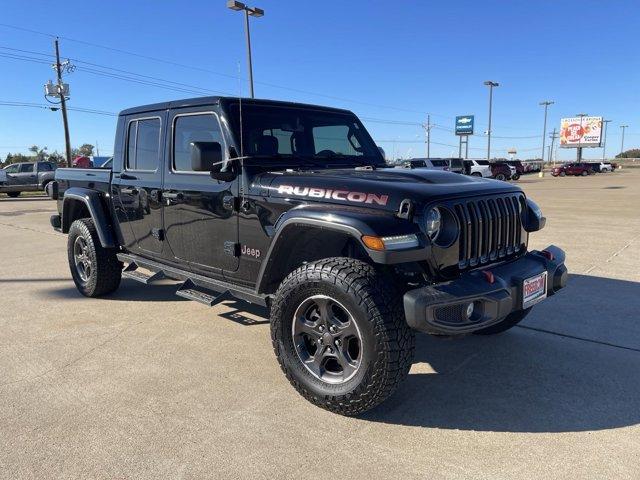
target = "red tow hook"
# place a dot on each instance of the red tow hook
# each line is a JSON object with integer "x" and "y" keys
{"x": 548, "y": 255}
{"x": 488, "y": 276}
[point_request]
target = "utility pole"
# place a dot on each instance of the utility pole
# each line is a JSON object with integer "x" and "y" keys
{"x": 248, "y": 11}
{"x": 553, "y": 137}
{"x": 427, "y": 129}
{"x": 546, "y": 104}
{"x": 604, "y": 139}
{"x": 63, "y": 104}
{"x": 490, "y": 84}
{"x": 622, "y": 144}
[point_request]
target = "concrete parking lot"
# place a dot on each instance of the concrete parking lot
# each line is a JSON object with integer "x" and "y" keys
{"x": 142, "y": 384}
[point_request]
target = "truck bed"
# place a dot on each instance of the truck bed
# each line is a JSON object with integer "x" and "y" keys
{"x": 93, "y": 178}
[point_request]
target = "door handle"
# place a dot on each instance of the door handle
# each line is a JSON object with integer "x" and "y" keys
{"x": 129, "y": 191}
{"x": 125, "y": 176}
{"x": 173, "y": 196}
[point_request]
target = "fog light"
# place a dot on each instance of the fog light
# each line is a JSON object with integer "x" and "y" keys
{"x": 470, "y": 309}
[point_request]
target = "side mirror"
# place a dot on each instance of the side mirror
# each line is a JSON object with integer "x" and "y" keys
{"x": 206, "y": 156}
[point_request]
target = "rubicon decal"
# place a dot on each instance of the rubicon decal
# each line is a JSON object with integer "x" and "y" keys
{"x": 344, "y": 195}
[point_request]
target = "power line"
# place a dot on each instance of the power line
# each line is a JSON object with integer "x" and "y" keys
{"x": 49, "y": 107}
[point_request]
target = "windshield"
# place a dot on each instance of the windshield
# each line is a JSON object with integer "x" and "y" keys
{"x": 439, "y": 163}
{"x": 293, "y": 136}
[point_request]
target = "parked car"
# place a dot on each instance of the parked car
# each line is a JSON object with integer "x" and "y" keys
{"x": 351, "y": 257}
{"x": 430, "y": 163}
{"x": 3, "y": 177}
{"x": 519, "y": 167}
{"x": 576, "y": 169}
{"x": 501, "y": 171}
{"x": 477, "y": 168}
{"x": 455, "y": 165}
{"x": 27, "y": 177}
{"x": 601, "y": 167}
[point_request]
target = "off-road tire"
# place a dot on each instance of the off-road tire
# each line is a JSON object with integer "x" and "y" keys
{"x": 510, "y": 321}
{"x": 375, "y": 306}
{"x": 13, "y": 194}
{"x": 106, "y": 273}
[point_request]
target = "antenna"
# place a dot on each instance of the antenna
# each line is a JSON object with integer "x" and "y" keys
{"x": 243, "y": 186}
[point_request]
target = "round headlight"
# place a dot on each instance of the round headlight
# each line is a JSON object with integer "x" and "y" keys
{"x": 433, "y": 222}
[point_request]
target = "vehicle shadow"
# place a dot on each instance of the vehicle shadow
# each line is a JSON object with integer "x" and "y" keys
{"x": 531, "y": 381}
{"x": 24, "y": 199}
{"x": 129, "y": 291}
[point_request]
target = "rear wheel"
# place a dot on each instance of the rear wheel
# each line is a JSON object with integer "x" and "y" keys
{"x": 95, "y": 270}
{"x": 476, "y": 174}
{"x": 339, "y": 333}
{"x": 515, "y": 177}
{"x": 510, "y": 321}
{"x": 13, "y": 194}
{"x": 501, "y": 176}
{"x": 584, "y": 173}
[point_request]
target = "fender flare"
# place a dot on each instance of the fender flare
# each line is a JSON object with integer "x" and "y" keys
{"x": 91, "y": 200}
{"x": 350, "y": 222}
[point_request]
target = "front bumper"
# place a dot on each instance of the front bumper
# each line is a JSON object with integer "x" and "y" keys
{"x": 441, "y": 308}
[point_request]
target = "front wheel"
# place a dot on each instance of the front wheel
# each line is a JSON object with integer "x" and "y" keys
{"x": 584, "y": 173}
{"x": 501, "y": 176}
{"x": 510, "y": 321}
{"x": 13, "y": 194}
{"x": 95, "y": 270}
{"x": 515, "y": 177}
{"x": 340, "y": 336}
{"x": 562, "y": 174}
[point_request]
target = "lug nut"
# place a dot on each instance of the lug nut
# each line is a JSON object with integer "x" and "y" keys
{"x": 321, "y": 328}
{"x": 337, "y": 342}
{"x": 330, "y": 350}
{"x": 332, "y": 329}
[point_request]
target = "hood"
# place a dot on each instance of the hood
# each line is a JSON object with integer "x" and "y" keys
{"x": 381, "y": 189}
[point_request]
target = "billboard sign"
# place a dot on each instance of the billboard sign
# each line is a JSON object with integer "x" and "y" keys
{"x": 464, "y": 125}
{"x": 580, "y": 132}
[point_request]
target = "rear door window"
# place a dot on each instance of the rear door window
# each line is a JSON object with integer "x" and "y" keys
{"x": 143, "y": 144}
{"x": 26, "y": 168}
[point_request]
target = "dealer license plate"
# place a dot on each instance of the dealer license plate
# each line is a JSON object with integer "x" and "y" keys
{"x": 534, "y": 289}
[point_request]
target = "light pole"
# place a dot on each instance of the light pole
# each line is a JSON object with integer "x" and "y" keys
{"x": 546, "y": 104}
{"x": 254, "y": 12}
{"x": 604, "y": 139}
{"x": 581, "y": 115}
{"x": 490, "y": 84}
{"x": 622, "y": 144}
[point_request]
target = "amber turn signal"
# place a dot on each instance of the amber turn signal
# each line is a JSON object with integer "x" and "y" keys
{"x": 374, "y": 243}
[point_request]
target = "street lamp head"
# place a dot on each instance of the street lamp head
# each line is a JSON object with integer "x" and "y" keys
{"x": 547, "y": 102}
{"x": 582, "y": 114}
{"x": 489, "y": 83}
{"x": 233, "y": 5}
{"x": 256, "y": 12}
{"x": 624, "y": 126}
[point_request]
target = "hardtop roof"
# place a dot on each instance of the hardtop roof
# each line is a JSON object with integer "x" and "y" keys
{"x": 203, "y": 101}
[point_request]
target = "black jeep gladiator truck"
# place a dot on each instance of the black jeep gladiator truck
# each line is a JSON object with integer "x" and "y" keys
{"x": 292, "y": 207}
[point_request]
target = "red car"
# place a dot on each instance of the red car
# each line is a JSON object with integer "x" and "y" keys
{"x": 577, "y": 169}
{"x": 500, "y": 171}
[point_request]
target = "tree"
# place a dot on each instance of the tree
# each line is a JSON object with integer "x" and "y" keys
{"x": 633, "y": 153}
{"x": 85, "y": 150}
{"x": 58, "y": 158}
{"x": 40, "y": 153}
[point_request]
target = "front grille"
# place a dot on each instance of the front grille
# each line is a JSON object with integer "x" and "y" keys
{"x": 490, "y": 229}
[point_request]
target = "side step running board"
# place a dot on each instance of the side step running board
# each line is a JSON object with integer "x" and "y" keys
{"x": 195, "y": 287}
{"x": 131, "y": 271}
{"x": 191, "y": 291}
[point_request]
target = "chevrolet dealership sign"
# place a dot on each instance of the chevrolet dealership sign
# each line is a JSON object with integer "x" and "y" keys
{"x": 464, "y": 125}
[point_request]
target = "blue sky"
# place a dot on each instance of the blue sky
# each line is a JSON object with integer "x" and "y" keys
{"x": 386, "y": 60}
